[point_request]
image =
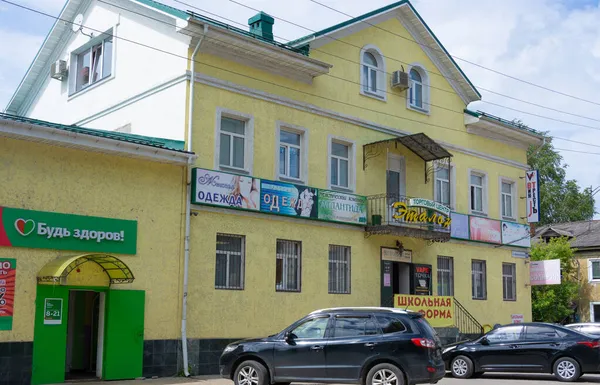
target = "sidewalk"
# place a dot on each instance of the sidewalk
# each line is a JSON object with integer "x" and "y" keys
{"x": 198, "y": 380}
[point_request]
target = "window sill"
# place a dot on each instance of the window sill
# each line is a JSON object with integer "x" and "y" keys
{"x": 287, "y": 291}
{"x": 479, "y": 299}
{"x": 509, "y": 300}
{"x": 335, "y": 293}
{"x": 372, "y": 95}
{"x": 89, "y": 88}
{"x": 595, "y": 281}
{"x": 234, "y": 170}
{"x": 419, "y": 110}
{"x": 509, "y": 219}
{"x": 478, "y": 213}
{"x": 342, "y": 189}
{"x": 291, "y": 180}
{"x": 230, "y": 288}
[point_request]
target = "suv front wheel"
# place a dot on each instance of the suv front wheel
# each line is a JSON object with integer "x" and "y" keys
{"x": 385, "y": 374}
{"x": 251, "y": 373}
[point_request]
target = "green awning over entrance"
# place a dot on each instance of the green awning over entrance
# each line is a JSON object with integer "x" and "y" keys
{"x": 115, "y": 269}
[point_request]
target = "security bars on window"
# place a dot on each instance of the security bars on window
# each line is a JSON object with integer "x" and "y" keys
{"x": 478, "y": 278}
{"x": 339, "y": 269}
{"x": 445, "y": 276}
{"x": 288, "y": 265}
{"x": 229, "y": 272}
{"x": 509, "y": 281}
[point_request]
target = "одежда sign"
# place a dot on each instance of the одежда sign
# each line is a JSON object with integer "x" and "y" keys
{"x": 46, "y": 230}
{"x": 8, "y": 274}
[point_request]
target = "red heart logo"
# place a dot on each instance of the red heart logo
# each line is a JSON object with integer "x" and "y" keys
{"x": 24, "y": 227}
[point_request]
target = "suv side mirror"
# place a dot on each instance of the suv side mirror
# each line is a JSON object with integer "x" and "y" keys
{"x": 485, "y": 341}
{"x": 290, "y": 337}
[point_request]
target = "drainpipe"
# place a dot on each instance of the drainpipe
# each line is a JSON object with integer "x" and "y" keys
{"x": 186, "y": 254}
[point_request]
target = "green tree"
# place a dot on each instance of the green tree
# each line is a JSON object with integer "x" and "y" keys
{"x": 561, "y": 200}
{"x": 553, "y": 303}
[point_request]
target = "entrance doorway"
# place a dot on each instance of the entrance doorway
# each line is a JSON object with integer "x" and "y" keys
{"x": 85, "y": 326}
{"x": 395, "y": 280}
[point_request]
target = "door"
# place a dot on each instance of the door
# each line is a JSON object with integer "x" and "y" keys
{"x": 387, "y": 289}
{"x": 353, "y": 342}
{"x": 540, "y": 346}
{"x": 499, "y": 354}
{"x": 302, "y": 357}
{"x": 395, "y": 182}
{"x": 124, "y": 335}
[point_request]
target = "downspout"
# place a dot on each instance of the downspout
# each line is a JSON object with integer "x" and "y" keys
{"x": 186, "y": 253}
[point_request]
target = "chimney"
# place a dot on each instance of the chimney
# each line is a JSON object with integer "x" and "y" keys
{"x": 261, "y": 25}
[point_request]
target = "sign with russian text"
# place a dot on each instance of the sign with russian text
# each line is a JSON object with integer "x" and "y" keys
{"x": 412, "y": 215}
{"x": 8, "y": 274}
{"x": 53, "y": 310}
{"x": 517, "y": 318}
{"x": 438, "y": 310}
{"x": 532, "y": 185}
{"x": 544, "y": 272}
{"x": 429, "y": 204}
{"x": 394, "y": 255}
{"x": 222, "y": 189}
{"x": 515, "y": 234}
{"x": 288, "y": 199}
{"x": 46, "y": 230}
{"x": 421, "y": 279}
{"x": 460, "y": 226}
{"x": 485, "y": 230}
{"x": 341, "y": 207}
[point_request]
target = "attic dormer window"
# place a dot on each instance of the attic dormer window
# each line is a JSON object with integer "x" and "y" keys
{"x": 92, "y": 63}
{"x": 372, "y": 78}
{"x": 418, "y": 93}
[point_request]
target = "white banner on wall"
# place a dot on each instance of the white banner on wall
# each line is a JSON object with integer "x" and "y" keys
{"x": 545, "y": 272}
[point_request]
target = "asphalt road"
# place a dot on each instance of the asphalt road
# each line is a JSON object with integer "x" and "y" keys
{"x": 516, "y": 379}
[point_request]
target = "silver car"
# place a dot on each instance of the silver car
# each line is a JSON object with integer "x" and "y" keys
{"x": 592, "y": 328}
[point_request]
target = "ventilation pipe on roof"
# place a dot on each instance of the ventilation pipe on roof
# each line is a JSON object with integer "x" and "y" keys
{"x": 186, "y": 253}
{"x": 261, "y": 25}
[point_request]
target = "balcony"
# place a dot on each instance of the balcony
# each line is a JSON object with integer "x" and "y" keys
{"x": 408, "y": 217}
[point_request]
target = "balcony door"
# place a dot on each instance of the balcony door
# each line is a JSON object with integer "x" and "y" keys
{"x": 395, "y": 182}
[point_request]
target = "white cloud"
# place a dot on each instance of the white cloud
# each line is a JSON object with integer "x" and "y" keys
{"x": 51, "y": 7}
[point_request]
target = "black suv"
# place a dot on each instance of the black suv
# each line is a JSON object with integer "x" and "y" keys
{"x": 372, "y": 346}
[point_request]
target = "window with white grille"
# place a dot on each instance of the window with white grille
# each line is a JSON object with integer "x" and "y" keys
{"x": 339, "y": 269}
{"x": 287, "y": 266}
{"x": 509, "y": 281}
{"x": 478, "y": 279}
{"x": 445, "y": 276}
{"x": 229, "y": 272}
{"x": 507, "y": 194}
{"x": 478, "y": 193}
{"x": 442, "y": 185}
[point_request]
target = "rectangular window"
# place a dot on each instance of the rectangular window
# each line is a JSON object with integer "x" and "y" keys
{"x": 594, "y": 270}
{"x": 442, "y": 186}
{"x": 445, "y": 276}
{"x": 507, "y": 198}
{"x": 93, "y": 64}
{"x": 232, "y": 143}
{"x": 477, "y": 192}
{"x": 339, "y": 269}
{"x": 340, "y": 165}
{"x": 290, "y": 150}
{"x": 229, "y": 272}
{"x": 509, "y": 281}
{"x": 478, "y": 279}
{"x": 287, "y": 266}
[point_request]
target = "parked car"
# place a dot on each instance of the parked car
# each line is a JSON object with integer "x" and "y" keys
{"x": 592, "y": 328}
{"x": 530, "y": 348}
{"x": 372, "y": 346}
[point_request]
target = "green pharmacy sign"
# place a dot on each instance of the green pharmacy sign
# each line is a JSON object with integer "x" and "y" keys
{"x": 46, "y": 230}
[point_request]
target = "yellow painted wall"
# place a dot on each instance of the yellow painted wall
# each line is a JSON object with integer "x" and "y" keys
{"x": 47, "y": 178}
{"x": 590, "y": 291}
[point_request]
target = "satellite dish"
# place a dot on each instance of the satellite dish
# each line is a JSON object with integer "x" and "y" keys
{"x": 77, "y": 23}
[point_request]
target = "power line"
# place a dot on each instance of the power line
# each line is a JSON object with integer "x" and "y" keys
{"x": 577, "y": 151}
{"x": 429, "y": 85}
{"x": 461, "y": 59}
{"x": 253, "y": 78}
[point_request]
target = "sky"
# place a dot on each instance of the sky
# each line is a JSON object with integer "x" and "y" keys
{"x": 551, "y": 43}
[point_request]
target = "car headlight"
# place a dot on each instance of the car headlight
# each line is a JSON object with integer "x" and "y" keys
{"x": 230, "y": 348}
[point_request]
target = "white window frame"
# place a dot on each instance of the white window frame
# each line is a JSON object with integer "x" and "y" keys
{"x": 381, "y": 93}
{"x": 248, "y": 140}
{"x": 449, "y": 271}
{"x": 484, "y": 279}
{"x": 514, "y": 281}
{"x": 351, "y": 163}
{"x": 285, "y": 258}
{"x": 514, "y": 195}
{"x": 242, "y": 253}
{"x": 426, "y": 93}
{"x": 590, "y": 270}
{"x": 484, "y": 203}
{"x": 72, "y": 78}
{"x": 592, "y": 310}
{"x": 303, "y": 132}
{"x": 452, "y": 176}
{"x": 349, "y": 270}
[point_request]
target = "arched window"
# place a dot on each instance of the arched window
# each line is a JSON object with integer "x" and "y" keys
{"x": 418, "y": 95}
{"x": 372, "y": 72}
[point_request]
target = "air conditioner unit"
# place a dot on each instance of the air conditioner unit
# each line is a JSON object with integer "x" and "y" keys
{"x": 400, "y": 80}
{"x": 58, "y": 70}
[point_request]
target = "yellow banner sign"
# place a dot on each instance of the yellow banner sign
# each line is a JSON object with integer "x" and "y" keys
{"x": 439, "y": 311}
{"x": 406, "y": 213}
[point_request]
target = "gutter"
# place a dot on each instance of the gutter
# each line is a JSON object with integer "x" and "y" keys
{"x": 188, "y": 212}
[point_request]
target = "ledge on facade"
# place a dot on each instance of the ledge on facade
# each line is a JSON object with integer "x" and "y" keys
{"x": 411, "y": 232}
{"x": 502, "y": 130}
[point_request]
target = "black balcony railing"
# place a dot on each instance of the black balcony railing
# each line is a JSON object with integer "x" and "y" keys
{"x": 384, "y": 217}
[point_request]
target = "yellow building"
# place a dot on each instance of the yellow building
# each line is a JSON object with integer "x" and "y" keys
{"x": 90, "y": 256}
{"x": 327, "y": 171}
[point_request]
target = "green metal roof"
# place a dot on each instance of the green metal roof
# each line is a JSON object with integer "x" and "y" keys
{"x": 481, "y": 114}
{"x": 166, "y": 144}
{"x": 165, "y": 8}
